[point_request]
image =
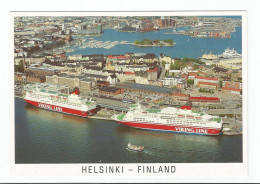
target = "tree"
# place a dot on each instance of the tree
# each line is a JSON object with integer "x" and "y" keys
{"x": 163, "y": 63}
{"x": 166, "y": 73}
{"x": 221, "y": 83}
{"x": 190, "y": 82}
{"x": 172, "y": 66}
{"x": 195, "y": 67}
{"x": 156, "y": 42}
{"x": 20, "y": 67}
{"x": 16, "y": 68}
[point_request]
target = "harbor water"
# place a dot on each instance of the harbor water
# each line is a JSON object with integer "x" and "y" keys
{"x": 43, "y": 136}
{"x": 185, "y": 47}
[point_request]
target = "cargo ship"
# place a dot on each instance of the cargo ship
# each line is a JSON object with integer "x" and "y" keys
{"x": 171, "y": 119}
{"x": 57, "y": 98}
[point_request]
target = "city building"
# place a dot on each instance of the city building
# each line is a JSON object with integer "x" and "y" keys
{"x": 166, "y": 59}
{"x": 28, "y": 78}
{"x": 72, "y": 81}
{"x": 111, "y": 90}
{"x": 206, "y": 82}
{"x": 156, "y": 90}
{"x": 40, "y": 71}
{"x": 233, "y": 87}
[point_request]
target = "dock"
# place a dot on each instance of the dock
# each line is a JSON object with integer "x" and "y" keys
{"x": 103, "y": 114}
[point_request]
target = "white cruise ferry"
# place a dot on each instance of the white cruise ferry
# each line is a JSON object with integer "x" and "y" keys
{"x": 57, "y": 98}
{"x": 170, "y": 119}
{"x": 229, "y": 54}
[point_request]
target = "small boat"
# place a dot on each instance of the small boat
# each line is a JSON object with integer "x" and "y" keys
{"x": 132, "y": 147}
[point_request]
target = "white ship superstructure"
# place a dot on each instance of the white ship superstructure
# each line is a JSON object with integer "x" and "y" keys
{"x": 209, "y": 56}
{"x": 230, "y": 53}
{"x": 57, "y": 98}
{"x": 182, "y": 120}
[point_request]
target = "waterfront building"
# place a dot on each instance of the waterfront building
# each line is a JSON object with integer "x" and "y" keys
{"x": 156, "y": 90}
{"x": 165, "y": 23}
{"x": 202, "y": 100}
{"x": 111, "y": 90}
{"x": 90, "y": 29}
{"x": 72, "y": 81}
{"x": 28, "y": 78}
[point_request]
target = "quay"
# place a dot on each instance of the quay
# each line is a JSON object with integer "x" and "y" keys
{"x": 108, "y": 107}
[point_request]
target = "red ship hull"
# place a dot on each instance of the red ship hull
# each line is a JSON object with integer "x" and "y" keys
{"x": 172, "y": 128}
{"x": 61, "y": 109}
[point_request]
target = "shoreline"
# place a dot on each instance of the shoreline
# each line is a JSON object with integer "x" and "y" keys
{"x": 101, "y": 116}
{"x": 154, "y": 45}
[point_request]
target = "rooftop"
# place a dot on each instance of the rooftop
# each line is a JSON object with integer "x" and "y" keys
{"x": 142, "y": 87}
{"x": 207, "y": 78}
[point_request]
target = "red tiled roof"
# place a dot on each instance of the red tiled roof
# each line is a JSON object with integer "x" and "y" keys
{"x": 185, "y": 107}
{"x": 207, "y": 78}
{"x": 202, "y": 98}
{"x": 192, "y": 73}
{"x": 118, "y": 57}
{"x": 201, "y": 72}
{"x": 208, "y": 83}
{"x": 129, "y": 73}
{"x": 231, "y": 89}
{"x": 154, "y": 70}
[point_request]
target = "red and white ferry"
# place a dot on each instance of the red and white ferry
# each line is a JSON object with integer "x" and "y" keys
{"x": 54, "y": 98}
{"x": 171, "y": 119}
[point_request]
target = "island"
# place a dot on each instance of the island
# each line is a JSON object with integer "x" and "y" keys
{"x": 148, "y": 43}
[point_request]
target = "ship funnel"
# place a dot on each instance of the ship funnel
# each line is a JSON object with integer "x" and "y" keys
{"x": 75, "y": 91}
{"x": 185, "y": 107}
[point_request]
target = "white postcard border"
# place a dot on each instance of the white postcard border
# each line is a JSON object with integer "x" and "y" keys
{"x": 187, "y": 169}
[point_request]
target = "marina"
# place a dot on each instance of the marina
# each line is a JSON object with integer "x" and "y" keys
{"x": 181, "y": 49}
{"x": 100, "y": 44}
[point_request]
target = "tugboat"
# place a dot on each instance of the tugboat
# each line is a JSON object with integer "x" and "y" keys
{"x": 132, "y": 147}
